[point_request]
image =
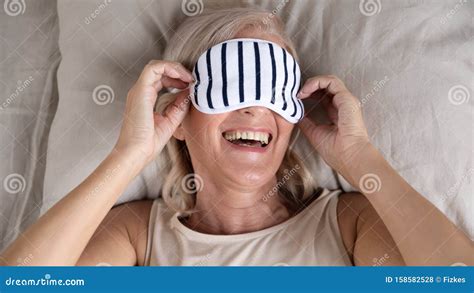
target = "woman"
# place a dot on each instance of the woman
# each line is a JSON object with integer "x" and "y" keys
{"x": 233, "y": 218}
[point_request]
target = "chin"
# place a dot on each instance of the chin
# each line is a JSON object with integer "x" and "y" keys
{"x": 253, "y": 176}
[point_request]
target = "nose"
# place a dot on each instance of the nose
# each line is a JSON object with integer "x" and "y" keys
{"x": 254, "y": 111}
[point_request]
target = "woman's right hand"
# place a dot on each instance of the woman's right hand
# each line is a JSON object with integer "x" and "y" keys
{"x": 143, "y": 130}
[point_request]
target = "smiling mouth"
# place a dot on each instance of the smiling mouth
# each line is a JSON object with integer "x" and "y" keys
{"x": 254, "y": 139}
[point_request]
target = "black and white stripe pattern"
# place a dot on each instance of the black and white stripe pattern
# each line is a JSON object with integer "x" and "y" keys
{"x": 241, "y": 73}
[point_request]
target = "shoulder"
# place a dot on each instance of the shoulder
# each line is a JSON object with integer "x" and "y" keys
{"x": 364, "y": 234}
{"x": 138, "y": 208}
{"x": 121, "y": 237}
{"x": 349, "y": 208}
{"x": 131, "y": 215}
{"x": 134, "y": 218}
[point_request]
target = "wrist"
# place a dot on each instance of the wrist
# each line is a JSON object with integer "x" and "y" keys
{"x": 364, "y": 159}
{"x": 133, "y": 158}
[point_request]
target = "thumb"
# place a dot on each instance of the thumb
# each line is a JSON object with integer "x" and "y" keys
{"x": 166, "y": 124}
{"x": 316, "y": 134}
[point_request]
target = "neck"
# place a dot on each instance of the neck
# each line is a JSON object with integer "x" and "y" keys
{"x": 222, "y": 210}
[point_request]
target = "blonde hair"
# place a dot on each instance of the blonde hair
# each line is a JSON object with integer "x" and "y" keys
{"x": 193, "y": 37}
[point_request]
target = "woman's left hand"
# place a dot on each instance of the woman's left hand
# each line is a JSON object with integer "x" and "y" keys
{"x": 340, "y": 142}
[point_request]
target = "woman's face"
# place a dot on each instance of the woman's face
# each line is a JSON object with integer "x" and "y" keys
{"x": 216, "y": 152}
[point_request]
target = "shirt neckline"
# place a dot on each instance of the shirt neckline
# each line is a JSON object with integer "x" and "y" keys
{"x": 190, "y": 233}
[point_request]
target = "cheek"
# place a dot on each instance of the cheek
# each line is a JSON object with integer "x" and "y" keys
{"x": 201, "y": 131}
{"x": 285, "y": 130}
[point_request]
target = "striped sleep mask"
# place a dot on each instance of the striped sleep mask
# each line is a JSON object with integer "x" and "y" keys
{"x": 241, "y": 73}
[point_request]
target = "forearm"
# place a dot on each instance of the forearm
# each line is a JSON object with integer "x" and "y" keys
{"x": 60, "y": 236}
{"x": 423, "y": 234}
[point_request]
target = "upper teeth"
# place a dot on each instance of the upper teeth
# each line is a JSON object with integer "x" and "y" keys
{"x": 258, "y": 136}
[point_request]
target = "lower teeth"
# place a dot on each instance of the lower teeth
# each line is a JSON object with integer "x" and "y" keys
{"x": 250, "y": 143}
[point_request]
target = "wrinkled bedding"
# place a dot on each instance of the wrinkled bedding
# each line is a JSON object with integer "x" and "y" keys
{"x": 29, "y": 58}
{"x": 409, "y": 62}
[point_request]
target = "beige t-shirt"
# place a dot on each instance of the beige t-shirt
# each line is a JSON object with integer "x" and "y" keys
{"x": 311, "y": 237}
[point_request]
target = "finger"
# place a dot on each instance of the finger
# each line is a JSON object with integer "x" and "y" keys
{"x": 181, "y": 103}
{"x": 178, "y": 67}
{"x": 166, "y": 124}
{"x": 307, "y": 126}
{"x": 315, "y": 133}
{"x": 344, "y": 98}
{"x": 169, "y": 82}
{"x": 328, "y": 82}
{"x": 154, "y": 71}
{"x": 330, "y": 109}
{"x": 187, "y": 75}
{"x": 349, "y": 112}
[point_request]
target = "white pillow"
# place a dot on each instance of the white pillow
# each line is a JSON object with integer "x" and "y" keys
{"x": 403, "y": 59}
